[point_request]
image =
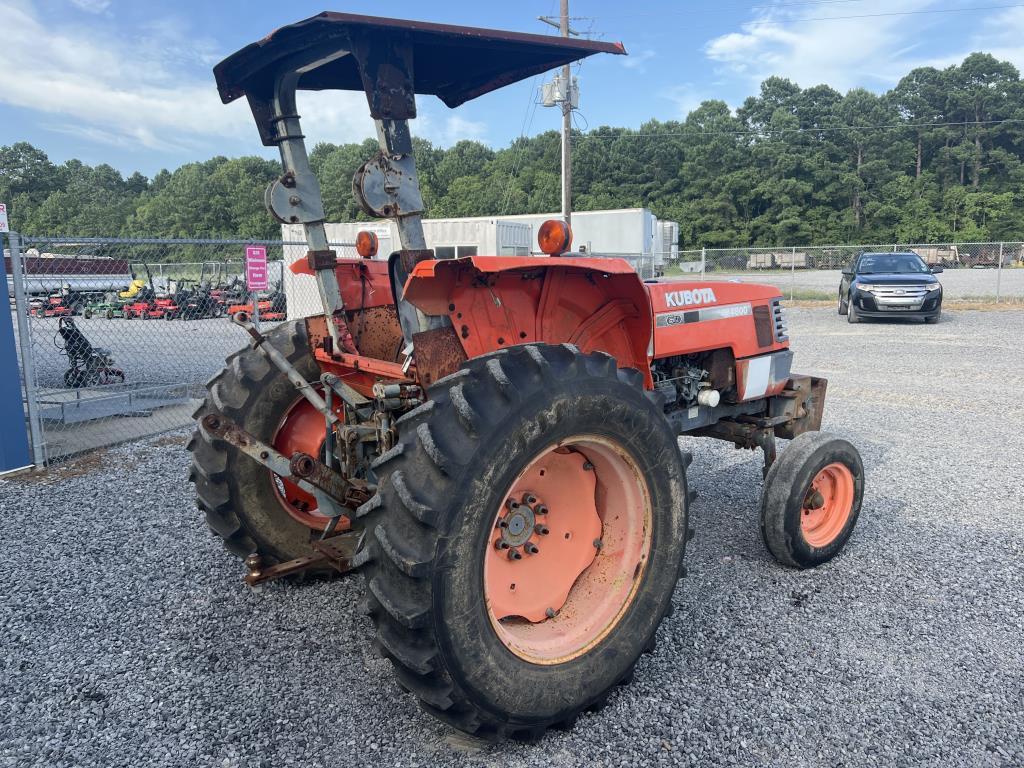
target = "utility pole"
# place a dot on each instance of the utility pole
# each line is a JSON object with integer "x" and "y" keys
{"x": 566, "y": 123}
{"x": 565, "y": 99}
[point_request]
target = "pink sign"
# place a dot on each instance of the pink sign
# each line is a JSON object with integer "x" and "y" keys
{"x": 256, "y": 267}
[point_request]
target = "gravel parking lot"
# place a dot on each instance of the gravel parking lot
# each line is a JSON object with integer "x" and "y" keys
{"x": 129, "y": 639}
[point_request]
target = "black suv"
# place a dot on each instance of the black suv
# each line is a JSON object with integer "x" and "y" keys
{"x": 890, "y": 285}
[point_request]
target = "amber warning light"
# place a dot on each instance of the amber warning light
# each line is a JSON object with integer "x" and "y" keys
{"x": 366, "y": 244}
{"x": 554, "y": 237}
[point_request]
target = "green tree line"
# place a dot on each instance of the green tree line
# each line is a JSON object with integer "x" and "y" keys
{"x": 937, "y": 158}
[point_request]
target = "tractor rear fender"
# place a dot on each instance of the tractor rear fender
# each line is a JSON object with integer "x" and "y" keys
{"x": 501, "y": 301}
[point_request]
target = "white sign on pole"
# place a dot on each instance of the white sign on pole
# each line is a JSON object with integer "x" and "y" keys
{"x": 3, "y": 219}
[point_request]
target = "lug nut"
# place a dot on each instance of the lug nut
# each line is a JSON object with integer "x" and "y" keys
{"x": 531, "y": 548}
{"x": 540, "y": 510}
{"x": 514, "y": 554}
{"x": 503, "y": 523}
{"x": 530, "y": 499}
{"x": 511, "y": 503}
{"x": 598, "y": 543}
{"x": 501, "y": 544}
{"x": 588, "y": 466}
{"x": 550, "y": 613}
{"x": 541, "y": 529}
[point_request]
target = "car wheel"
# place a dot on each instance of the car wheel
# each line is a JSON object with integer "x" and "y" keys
{"x": 934, "y": 318}
{"x": 843, "y": 304}
{"x": 851, "y": 314}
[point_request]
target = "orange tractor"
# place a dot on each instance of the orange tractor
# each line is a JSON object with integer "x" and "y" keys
{"x": 492, "y": 440}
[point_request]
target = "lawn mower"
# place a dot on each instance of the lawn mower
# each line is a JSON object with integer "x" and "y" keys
{"x": 492, "y": 440}
{"x": 148, "y": 304}
{"x": 64, "y": 303}
{"x": 273, "y": 306}
{"x": 109, "y": 306}
{"x": 88, "y": 365}
{"x": 50, "y": 306}
{"x": 200, "y": 304}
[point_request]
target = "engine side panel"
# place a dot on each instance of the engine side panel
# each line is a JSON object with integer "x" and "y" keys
{"x": 696, "y": 316}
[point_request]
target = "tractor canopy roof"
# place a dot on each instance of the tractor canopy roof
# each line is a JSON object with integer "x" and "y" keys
{"x": 392, "y": 59}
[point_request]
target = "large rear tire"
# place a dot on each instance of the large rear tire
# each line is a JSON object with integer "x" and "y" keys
{"x": 243, "y": 502}
{"x": 468, "y": 459}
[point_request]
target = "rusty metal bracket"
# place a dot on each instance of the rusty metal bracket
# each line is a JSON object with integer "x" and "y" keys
{"x": 336, "y": 552}
{"x": 302, "y": 469}
{"x": 274, "y": 355}
{"x": 744, "y": 435}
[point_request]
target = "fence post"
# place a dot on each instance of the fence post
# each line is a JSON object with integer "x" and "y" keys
{"x": 703, "y": 261}
{"x": 27, "y": 361}
{"x": 792, "y": 274}
{"x": 999, "y": 271}
{"x": 255, "y": 295}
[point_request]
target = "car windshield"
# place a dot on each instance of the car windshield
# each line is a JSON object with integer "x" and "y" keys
{"x": 891, "y": 263}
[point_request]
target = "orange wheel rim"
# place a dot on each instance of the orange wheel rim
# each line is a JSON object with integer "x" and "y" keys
{"x": 827, "y": 505}
{"x": 567, "y": 551}
{"x": 301, "y": 430}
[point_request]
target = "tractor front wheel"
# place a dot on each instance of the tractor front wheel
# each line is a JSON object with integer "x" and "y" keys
{"x": 526, "y": 538}
{"x": 811, "y": 499}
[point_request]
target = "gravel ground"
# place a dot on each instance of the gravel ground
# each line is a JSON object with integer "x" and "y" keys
{"x": 129, "y": 639}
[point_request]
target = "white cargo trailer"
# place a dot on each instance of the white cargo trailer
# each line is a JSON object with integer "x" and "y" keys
{"x": 667, "y": 246}
{"x": 632, "y": 233}
{"x": 449, "y": 238}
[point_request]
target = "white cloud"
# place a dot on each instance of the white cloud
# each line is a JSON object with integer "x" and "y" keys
{"x": 449, "y": 130}
{"x": 92, "y": 6}
{"x": 143, "y": 90}
{"x": 638, "y": 60}
{"x": 687, "y": 97}
{"x": 798, "y": 43}
{"x": 1001, "y": 35}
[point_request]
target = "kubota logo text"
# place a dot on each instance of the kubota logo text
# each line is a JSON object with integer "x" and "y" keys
{"x": 689, "y": 298}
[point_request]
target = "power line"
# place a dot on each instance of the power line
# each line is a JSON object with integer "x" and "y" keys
{"x": 822, "y": 129}
{"x": 531, "y": 110}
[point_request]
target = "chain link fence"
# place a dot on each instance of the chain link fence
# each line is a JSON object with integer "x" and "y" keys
{"x": 972, "y": 271}
{"x": 117, "y": 338}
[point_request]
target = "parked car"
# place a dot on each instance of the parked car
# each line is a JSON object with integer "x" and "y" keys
{"x": 890, "y": 285}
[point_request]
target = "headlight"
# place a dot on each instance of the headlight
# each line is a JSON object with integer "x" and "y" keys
{"x": 867, "y": 287}
{"x": 934, "y": 287}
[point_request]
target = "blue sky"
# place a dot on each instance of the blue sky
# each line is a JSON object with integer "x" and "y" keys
{"x": 130, "y": 83}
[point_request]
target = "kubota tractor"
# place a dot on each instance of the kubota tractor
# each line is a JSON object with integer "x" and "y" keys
{"x": 491, "y": 439}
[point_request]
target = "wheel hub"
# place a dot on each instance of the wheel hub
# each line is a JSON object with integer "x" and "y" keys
{"x": 827, "y": 505}
{"x": 520, "y": 523}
